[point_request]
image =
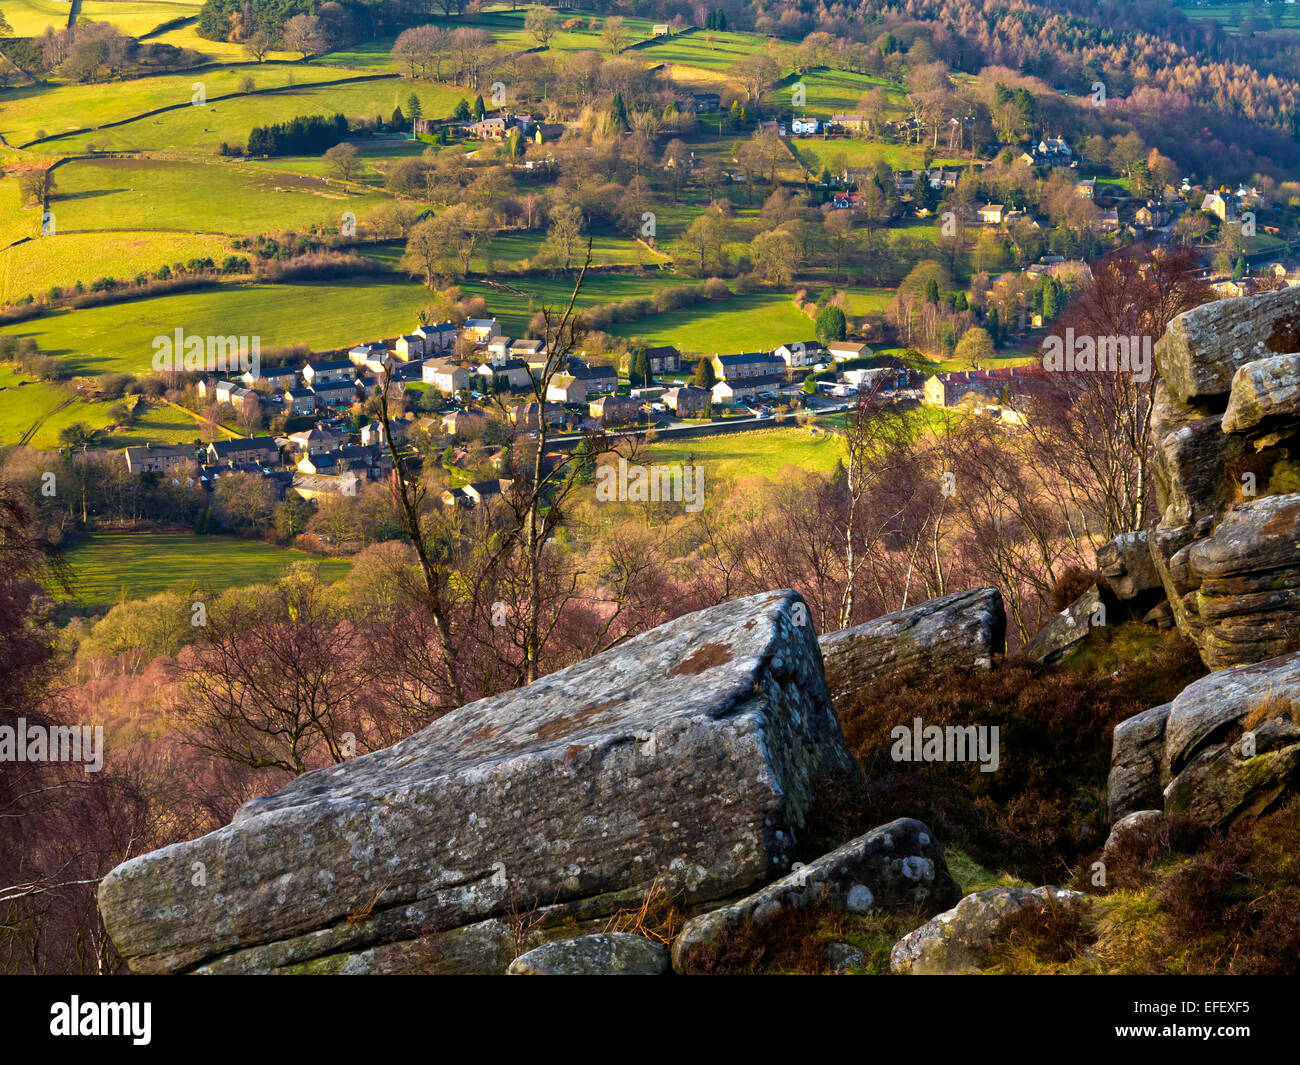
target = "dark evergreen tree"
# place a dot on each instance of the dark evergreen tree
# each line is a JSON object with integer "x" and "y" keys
{"x": 638, "y": 367}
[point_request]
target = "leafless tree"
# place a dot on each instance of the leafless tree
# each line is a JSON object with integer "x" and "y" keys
{"x": 1093, "y": 429}
{"x": 275, "y": 682}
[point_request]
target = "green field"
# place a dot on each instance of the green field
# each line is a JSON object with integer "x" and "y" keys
{"x": 30, "y": 17}
{"x": 1231, "y": 16}
{"x": 26, "y": 114}
{"x": 24, "y": 401}
{"x": 513, "y": 309}
{"x": 137, "y": 565}
{"x": 507, "y": 27}
{"x": 839, "y": 152}
{"x": 762, "y": 453}
{"x": 511, "y": 249}
{"x": 204, "y": 128}
{"x": 373, "y": 151}
{"x": 32, "y": 268}
{"x": 195, "y": 197}
{"x": 136, "y": 17}
{"x": 864, "y": 302}
{"x": 759, "y": 321}
{"x": 322, "y": 314}
{"x": 835, "y": 92}
{"x": 16, "y": 221}
{"x": 187, "y": 36}
{"x": 606, "y": 250}
{"x": 712, "y": 50}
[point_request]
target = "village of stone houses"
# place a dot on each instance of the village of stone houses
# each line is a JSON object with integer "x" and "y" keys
{"x": 745, "y": 488}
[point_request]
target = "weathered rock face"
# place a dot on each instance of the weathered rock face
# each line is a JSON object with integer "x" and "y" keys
{"x": 691, "y": 755}
{"x": 1195, "y": 757}
{"x": 1126, "y": 564}
{"x": 959, "y": 631}
{"x": 897, "y": 866}
{"x": 1226, "y": 426}
{"x": 1246, "y": 576}
{"x": 1068, "y": 629}
{"x": 1203, "y": 348}
{"x": 603, "y": 954}
{"x": 1264, "y": 391}
{"x": 1137, "y": 777}
{"x": 960, "y": 940}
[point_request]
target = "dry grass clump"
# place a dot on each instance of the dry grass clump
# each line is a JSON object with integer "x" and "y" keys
{"x": 1268, "y": 707}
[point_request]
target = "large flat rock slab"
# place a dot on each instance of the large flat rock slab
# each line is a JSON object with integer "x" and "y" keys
{"x": 1203, "y": 348}
{"x": 691, "y": 754}
{"x": 1068, "y": 629}
{"x": 1204, "y": 711}
{"x": 959, "y": 631}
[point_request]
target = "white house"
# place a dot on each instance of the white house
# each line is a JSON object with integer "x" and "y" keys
{"x": 565, "y": 388}
{"x": 800, "y": 353}
{"x": 481, "y": 330}
{"x": 445, "y": 376}
{"x": 738, "y": 391}
{"x": 841, "y": 350}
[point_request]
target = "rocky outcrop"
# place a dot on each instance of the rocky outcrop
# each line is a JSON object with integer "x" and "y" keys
{"x": 1137, "y": 777}
{"x": 1226, "y": 429}
{"x": 1068, "y": 629}
{"x": 1246, "y": 576}
{"x": 960, "y": 940}
{"x": 1264, "y": 392}
{"x": 1126, "y": 564}
{"x": 603, "y": 954}
{"x": 895, "y": 867}
{"x": 959, "y": 631}
{"x": 1227, "y": 747}
{"x": 691, "y": 756}
{"x": 1202, "y": 349}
